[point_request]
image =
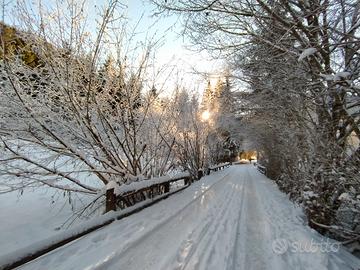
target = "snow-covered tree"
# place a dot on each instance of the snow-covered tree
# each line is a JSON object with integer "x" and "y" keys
{"x": 79, "y": 121}
{"x": 207, "y": 98}
{"x": 300, "y": 63}
{"x": 190, "y": 133}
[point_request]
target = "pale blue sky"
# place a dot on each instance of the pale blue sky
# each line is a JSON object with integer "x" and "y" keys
{"x": 173, "y": 49}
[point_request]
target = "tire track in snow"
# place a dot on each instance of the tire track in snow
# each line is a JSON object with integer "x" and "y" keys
{"x": 252, "y": 247}
{"x": 147, "y": 234}
{"x": 220, "y": 242}
{"x": 256, "y": 235}
{"x": 234, "y": 251}
{"x": 200, "y": 257}
{"x": 200, "y": 232}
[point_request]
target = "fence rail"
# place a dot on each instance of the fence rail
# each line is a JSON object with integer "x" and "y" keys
{"x": 129, "y": 195}
{"x": 261, "y": 169}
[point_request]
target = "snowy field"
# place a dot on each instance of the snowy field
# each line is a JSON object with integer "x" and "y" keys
{"x": 33, "y": 216}
{"x": 39, "y": 213}
{"x": 232, "y": 219}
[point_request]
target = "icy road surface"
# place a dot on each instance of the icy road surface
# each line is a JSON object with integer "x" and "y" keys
{"x": 233, "y": 219}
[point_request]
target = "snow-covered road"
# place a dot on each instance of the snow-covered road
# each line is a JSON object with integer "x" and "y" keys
{"x": 233, "y": 219}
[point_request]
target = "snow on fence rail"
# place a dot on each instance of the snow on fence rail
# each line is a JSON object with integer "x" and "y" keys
{"x": 261, "y": 169}
{"x": 219, "y": 166}
{"x": 127, "y": 195}
{"x": 27, "y": 254}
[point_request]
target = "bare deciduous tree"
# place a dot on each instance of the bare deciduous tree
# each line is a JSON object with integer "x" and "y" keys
{"x": 74, "y": 121}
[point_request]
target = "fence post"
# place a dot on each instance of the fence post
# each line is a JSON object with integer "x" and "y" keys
{"x": 110, "y": 200}
{"x": 200, "y": 174}
{"x": 166, "y": 187}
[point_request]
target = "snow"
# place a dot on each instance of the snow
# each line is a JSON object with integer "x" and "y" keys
{"x": 345, "y": 197}
{"x": 41, "y": 244}
{"x": 38, "y": 245}
{"x": 218, "y": 165}
{"x": 39, "y": 212}
{"x": 327, "y": 77}
{"x": 134, "y": 186}
{"x": 306, "y": 53}
{"x": 341, "y": 75}
{"x": 111, "y": 185}
{"x": 337, "y": 77}
{"x": 231, "y": 219}
{"x": 115, "y": 186}
{"x": 309, "y": 194}
{"x": 30, "y": 217}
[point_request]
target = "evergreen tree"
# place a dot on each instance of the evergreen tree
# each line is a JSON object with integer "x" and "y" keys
{"x": 207, "y": 98}
{"x": 222, "y": 136}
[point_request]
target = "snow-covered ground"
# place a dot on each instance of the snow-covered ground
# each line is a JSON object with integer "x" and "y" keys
{"x": 28, "y": 217}
{"x": 232, "y": 219}
{"x": 33, "y": 216}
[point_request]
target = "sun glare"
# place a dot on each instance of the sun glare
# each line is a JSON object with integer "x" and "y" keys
{"x": 205, "y": 116}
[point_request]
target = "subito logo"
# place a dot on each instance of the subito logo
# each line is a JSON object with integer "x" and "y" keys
{"x": 280, "y": 246}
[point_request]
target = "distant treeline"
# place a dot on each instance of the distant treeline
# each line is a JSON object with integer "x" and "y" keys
{"x": 14, "y": 45}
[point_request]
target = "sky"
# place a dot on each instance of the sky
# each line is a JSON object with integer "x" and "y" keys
{"x": 175, "y": 50}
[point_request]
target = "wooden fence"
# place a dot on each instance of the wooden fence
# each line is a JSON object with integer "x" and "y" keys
{"x": 261, "y": 169}
{"x": 131, "y": 197}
